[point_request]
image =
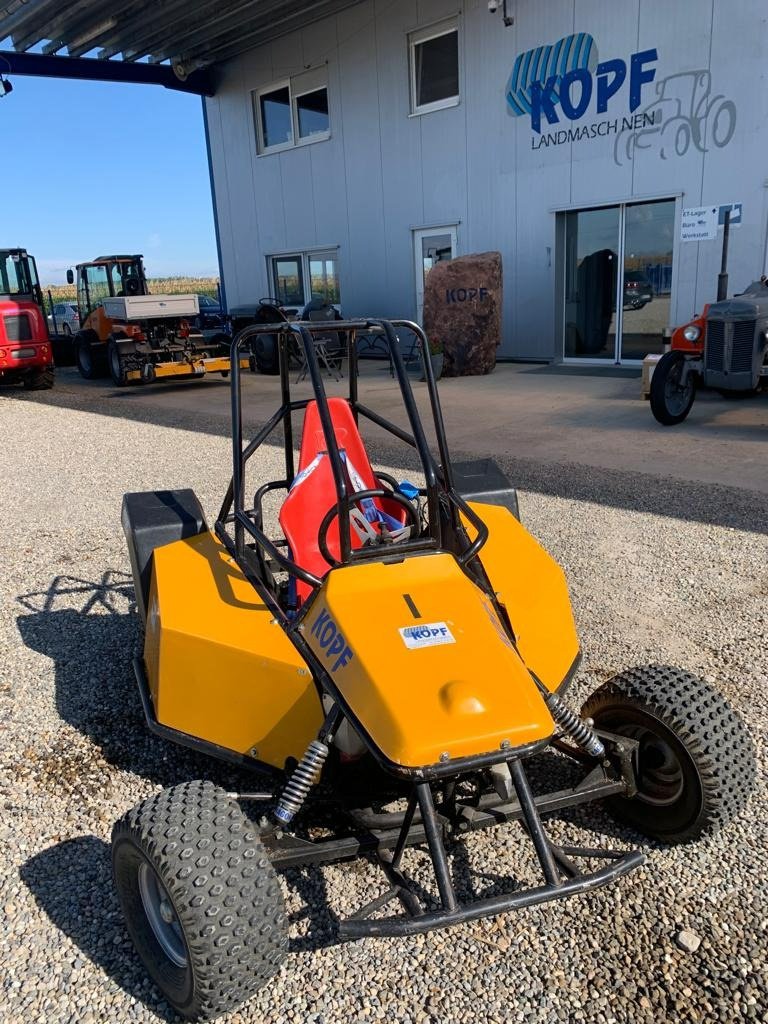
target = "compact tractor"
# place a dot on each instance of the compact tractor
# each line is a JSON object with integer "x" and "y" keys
{"x": 392, "y": 659}
{"x": 26, "y": 355}
{"x": 135, "y": 337}
{"x": 724, "y": 348}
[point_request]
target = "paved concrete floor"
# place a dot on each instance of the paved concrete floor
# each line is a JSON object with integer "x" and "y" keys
{"x": 520, "y": 411}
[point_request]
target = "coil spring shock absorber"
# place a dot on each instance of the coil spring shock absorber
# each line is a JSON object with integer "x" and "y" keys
{"x": 308, "y": 769}
{"x": 301, "y": 781}
{"x": 571, "y": 723}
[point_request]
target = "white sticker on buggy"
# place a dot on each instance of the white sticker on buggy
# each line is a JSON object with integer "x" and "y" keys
{"x": 428, "y": 635}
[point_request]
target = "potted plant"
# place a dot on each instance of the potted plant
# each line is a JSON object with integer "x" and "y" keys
{"x": 436, "y": 356}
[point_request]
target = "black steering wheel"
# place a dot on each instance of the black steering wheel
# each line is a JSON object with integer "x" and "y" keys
{"x": 333, "y": 511}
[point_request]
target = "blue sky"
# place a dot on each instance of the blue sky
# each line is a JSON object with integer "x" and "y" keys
{"x": 95, "y": 167}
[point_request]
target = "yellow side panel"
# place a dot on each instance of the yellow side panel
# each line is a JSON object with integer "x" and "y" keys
{"x": 532, "y": 587}
{"x": 219, "y": 667}
{"x": 456, "y": 686}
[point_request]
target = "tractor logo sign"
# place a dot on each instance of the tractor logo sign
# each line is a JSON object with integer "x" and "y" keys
{"x": 429, "y": 635}
{"x": 556, "y": 83}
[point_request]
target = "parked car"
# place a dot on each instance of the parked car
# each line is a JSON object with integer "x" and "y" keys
{"x": 211, "y": 314}
{"x": 65, "y": 318}
{"x": 638, "y": 290}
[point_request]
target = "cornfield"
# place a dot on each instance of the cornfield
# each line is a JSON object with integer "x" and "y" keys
{"x": 157, "y": 285}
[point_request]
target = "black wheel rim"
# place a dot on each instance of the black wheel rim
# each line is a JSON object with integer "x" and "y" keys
{"x": 670, "y": 794}
{"x": 660, "y": 777}
{"x": 162, "y": 916}
{"x": 676, "y": 396}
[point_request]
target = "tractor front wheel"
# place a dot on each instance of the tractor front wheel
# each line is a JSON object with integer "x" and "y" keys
{"x": 41, "y": 380}
{"x": 91, "y": 359}
{"x": 695, "y": 762}
{"x": 201, "y": 900}
{"x": 117, "y": 369}
{"x": 671, "y": 400}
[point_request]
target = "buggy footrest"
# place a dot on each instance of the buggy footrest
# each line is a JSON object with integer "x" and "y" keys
{"x": 360, "y": 925}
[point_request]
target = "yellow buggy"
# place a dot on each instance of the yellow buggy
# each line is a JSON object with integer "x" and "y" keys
{"x": 387, "y": 660}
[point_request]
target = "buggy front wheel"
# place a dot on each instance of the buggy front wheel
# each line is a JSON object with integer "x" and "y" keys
{"x": 694, "y": 762}
{"x": 201, "y": 900}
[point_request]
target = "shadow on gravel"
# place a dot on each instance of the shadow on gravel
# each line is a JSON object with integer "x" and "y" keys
{"x": 72, "y": 883}
{"x": 91, "y": 646}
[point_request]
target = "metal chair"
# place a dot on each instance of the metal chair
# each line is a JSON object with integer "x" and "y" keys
{"x": 329, "y": 347}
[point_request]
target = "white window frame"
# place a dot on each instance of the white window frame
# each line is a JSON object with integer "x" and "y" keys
{"x": 316, "y": 136}
{"x": 296, "y": 89}
{"x": 305, "y": 255}
{"x": 260, "y": 140}
{"x": 424, "y": 35}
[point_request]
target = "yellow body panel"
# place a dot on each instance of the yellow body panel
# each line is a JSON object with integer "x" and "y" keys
{"x": 532, "y": 587}
{"x": 219, "y": 667}
{"x": 430, "y": 696}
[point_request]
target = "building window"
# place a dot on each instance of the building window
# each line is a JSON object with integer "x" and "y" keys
{"x": 293, "y": 112}
{"x": 312, "y": 113}
{"x": 300, "y": 277}
{"x": 434, "y": 61}
{"x": 275, "y": 115}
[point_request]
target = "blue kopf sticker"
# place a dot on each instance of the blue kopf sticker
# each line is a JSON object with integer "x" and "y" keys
{"x": 430, "y": 634}
{"x": 331, "y": 640}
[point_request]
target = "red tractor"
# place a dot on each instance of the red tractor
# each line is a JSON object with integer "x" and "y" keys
{"x": 25, "y": 348}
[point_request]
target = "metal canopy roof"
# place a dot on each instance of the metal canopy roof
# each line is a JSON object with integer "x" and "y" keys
{"x": 190, "y": 34}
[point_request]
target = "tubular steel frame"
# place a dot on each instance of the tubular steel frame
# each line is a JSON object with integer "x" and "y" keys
{"x": 240, "y": 530}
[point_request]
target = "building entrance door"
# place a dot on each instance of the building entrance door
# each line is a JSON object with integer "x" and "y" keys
{"x": 431, "y": 245}
{"x": 611, "y": 314}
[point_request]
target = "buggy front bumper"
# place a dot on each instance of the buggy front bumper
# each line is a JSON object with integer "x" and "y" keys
{"x": 361, "y": 925}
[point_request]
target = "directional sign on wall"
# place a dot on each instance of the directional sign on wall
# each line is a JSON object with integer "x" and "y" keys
{"x": 699, "y": 223}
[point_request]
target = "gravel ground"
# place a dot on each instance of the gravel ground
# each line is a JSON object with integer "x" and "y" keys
{"x": 656, "y": 574}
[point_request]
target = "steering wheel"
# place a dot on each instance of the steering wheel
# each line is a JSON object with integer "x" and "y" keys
{"x": 333, "y": 511}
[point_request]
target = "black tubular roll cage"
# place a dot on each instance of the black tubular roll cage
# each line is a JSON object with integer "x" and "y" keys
{"x": 438, "y": 477}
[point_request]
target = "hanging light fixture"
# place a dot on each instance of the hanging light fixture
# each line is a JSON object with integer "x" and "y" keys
{"x": 5, "y": 87}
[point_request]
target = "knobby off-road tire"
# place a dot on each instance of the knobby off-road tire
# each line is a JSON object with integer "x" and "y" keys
{"x": 670, "y": 403}
{"x": 695, "y": 764}
{"x": 42, "y": 380}
{"x": 201, "y": 900}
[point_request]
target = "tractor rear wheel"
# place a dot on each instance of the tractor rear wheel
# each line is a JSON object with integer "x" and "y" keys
{"x": 671, "y": 401}
{"x": 41, "y": 380}
{"x": 201, "y": 900}
{"x": 695, "y": 762}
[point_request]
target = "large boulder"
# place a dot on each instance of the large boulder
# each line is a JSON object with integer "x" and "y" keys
{"x": 462, "y": 312}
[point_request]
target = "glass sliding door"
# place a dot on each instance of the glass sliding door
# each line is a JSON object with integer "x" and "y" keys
{"x": 591, "y": 258}
{"x": 609, "y": 315}
{"x": 648, "y": 236}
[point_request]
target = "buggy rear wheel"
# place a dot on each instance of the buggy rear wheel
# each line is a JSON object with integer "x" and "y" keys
{"x": 201, "y": 900}
{"x": 671, "y": 401}
{"x": 695, "y": 764}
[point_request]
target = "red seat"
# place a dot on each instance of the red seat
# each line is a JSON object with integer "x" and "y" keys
{"x": 310, "y": 497}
